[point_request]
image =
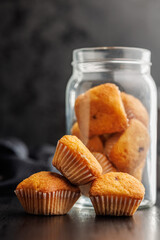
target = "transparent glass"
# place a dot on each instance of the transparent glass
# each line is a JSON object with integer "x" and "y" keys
{"x": 129, "y": 69}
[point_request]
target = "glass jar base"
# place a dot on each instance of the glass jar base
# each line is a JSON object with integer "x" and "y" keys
{"x": 146, "y": 204}
{"x": 85, "y": 202}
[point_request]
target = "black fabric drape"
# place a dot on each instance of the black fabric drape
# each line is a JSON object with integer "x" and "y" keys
{"x": 17, "y": 163}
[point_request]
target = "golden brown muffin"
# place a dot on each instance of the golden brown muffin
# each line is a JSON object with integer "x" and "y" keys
{"x": 134, "y": 108}
{"x": 75, "y": 161}
{"x": 106, "y": 165}
{"x": 94, "y": 144}
{"x": 130, "y": 148}
{"x": 100, "y": 110}
{"x": 116, "y": 193}
{"x": 47, "y": 193}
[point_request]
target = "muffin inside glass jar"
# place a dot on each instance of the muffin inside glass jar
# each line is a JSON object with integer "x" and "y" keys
{"x": 114, "y": 124}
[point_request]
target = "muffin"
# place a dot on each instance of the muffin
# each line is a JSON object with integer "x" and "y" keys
{"x": 75, "y": 161}
{"x": 100, "y": 110}
{"x": 106, "y": 165}
{"x": 134, "y": 108}
{"x": 116, "y": 193}
{"x": 128, "y": 149}
{"x": 47, "y": 193}
{"x": 94, "y": 144}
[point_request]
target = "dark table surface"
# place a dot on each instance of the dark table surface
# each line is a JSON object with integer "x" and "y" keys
{"x": 77, "y": 224}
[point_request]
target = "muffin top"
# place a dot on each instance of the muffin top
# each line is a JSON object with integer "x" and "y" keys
{"x": 47, "y": 182}
{"x": 100, "y": 110}
{"x": 117, "y": 184}
{"x": 81, "y": 151}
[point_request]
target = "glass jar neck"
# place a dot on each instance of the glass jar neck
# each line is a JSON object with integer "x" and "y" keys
{"x": 111, "y": 59}
{"x": 108, "y": 67}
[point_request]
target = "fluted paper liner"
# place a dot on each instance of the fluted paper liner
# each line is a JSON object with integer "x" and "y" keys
{"x": 52, "y": 203}
{"x": 71, "y": 166}
{"x": 113, "y": 205}
{"x": 104, "y": 162}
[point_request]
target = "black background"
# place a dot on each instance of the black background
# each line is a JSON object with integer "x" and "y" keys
{"x": 36, "y": 43}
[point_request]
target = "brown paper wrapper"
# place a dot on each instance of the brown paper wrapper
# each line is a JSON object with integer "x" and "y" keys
{"x": 113, "y": 205}
{"x": 52, "y": 203}
{"x": 104, "y": 162}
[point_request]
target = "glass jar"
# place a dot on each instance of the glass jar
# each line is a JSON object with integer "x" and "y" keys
{"x": 129, "y": 69}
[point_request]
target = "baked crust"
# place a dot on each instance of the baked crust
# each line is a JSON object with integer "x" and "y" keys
{"x": 117, "y": 184}
{"x": 47, "y": 182}
{"x": 100, "y": 110}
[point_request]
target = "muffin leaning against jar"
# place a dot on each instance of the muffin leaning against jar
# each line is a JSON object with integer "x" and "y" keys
{"x": 73, "y": 159}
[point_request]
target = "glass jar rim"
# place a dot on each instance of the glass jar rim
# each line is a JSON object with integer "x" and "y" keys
{"x": 112, "y": 54}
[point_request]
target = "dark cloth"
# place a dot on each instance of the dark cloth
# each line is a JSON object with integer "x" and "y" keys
{"x": 17, "y": 163}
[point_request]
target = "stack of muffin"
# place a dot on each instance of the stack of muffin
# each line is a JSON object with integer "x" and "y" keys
{"x": 115, "y": 125}
{"x": 110, "y": 145}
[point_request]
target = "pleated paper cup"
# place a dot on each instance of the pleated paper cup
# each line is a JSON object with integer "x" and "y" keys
{"x": 52, "y": 203}
{"x": 72, "y": 166}
{"x": 104, "y": 162}
{"x": 115, "y": 206}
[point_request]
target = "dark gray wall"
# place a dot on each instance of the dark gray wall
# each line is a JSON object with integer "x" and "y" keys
{"x": 36, "y": 43}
